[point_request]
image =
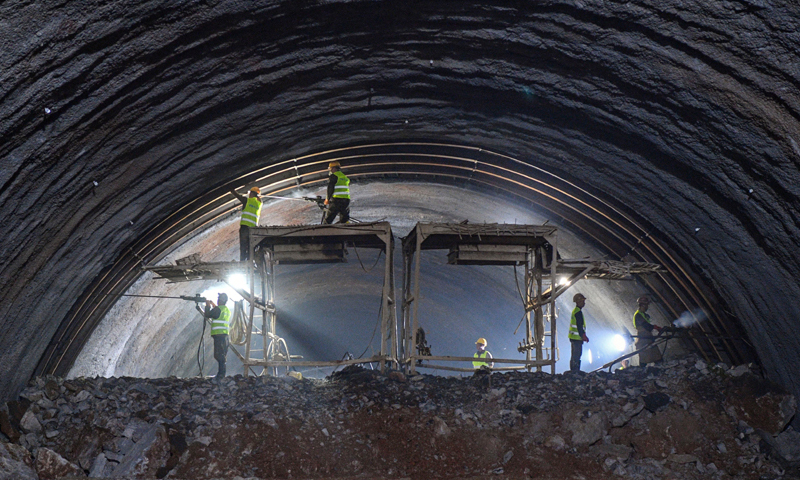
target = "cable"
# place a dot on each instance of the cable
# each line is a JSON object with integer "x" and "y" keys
{"x": 519, "y": 290}
{"x": 373, "y": 331}
{"x": 238, "y": 325}
{"x": 362, "y": 263}
{"x": 520, "y": 322}
{"x": 347, "y": 356}
{"x": 202, "y": 345}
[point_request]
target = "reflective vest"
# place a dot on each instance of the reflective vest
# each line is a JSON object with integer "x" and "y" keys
{"x": 573, "y": 326}
{"x": 220, "y": 326}
{"x": 646, "y": 318}
{"x": 342, "y": 187}
{"x": 480, "y": 364}
{"x": 251, "y": 212}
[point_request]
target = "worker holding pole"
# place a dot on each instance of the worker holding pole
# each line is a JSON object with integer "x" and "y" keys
{"x": 220, "y": 316}
{"x": 577, "y": 333}
{"x": 251, "y": 211}
{"x": 644, "y": 333}
{"x": 338, "y": 197}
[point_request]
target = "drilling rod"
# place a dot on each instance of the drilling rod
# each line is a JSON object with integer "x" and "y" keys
{"x": 196, "y": 298}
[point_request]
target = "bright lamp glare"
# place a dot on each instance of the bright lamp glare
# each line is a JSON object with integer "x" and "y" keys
{"x": 563, "y": 281}
{"x": 590, "y": 355}
{"x": 619, "y": 343}
{"x": 239, "y": 280}
{"x": 214, "y": 291}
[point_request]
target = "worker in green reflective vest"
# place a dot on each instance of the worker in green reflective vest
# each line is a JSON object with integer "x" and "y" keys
{"x": 577, "y": 333}
{"x": 482, "y": 355}
{"x": 337, "y": 199}
{"x": 220, "y": 316}
{"x": 644, "y": 333}
{"x": 250, "y": 215}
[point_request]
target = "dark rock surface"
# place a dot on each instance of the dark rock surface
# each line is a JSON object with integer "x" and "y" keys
{"x": 362, "y": 423}
{"x": 123, "y": 123}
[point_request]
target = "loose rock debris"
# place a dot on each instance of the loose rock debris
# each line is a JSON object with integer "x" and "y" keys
{"x": 681, "y": 420}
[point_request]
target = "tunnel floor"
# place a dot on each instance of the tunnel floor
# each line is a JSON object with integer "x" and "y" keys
{"x": 682, "y": 419}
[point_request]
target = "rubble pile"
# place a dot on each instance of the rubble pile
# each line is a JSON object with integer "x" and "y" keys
{"x": 682, "y": 419}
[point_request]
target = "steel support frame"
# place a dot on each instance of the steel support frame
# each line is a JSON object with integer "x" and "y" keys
{"x": 412, "y": 258}
{"x": 262, "y": 275}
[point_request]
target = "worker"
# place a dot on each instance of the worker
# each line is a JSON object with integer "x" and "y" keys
{"x": 250, "y": 212}
{"x": 337, "y": 200}
{"x": 644, "y": 333}
{"x": 577, "y": 333}
{"x": 482, "y": 354}
{"x": 220, "y": 316}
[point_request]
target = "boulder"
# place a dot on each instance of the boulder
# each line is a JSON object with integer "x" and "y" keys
{"x": 760, "y": 402}
{"x": 7, "y": 428}
{"x": 30, "y": 423}
{"x": 556, "y": 442}
{"x": 145, "y": 456}
{"x": 51, "y": 466}
{"x": 98, "y": 466}
{"x": 657, "y": 401}
{"x": 611, "y": 451}
{"x": 587, "y": 429}
{"x": 16, "y": 463}
{"x": 785, "y": 447}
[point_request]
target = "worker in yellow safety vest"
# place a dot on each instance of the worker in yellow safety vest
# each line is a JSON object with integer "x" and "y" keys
{"x": 577, "y": 332}
{"x": 644, "y": 333}
{"x": 250, "y": 214}
{"x": 481, "y": 355}
{"x": 220, "y": 317}
{"x": 337, "y": 199}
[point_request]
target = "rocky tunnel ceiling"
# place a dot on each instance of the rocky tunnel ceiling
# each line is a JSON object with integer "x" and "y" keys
{"x": 656, "y": 131}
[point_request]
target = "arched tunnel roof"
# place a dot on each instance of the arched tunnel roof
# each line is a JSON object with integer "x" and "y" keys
{"x": 658, "y": 131}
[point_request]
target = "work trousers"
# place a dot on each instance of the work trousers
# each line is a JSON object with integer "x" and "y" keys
{"x": 337, "y": 206}
{"x": 650, "y": 355}
{"x": 244, "y": 243}
{"x": 220, "y": 352}
{"x": 575, "y": 357}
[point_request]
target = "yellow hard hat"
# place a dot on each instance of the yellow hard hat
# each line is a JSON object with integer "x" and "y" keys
{"x": 481, "y": 340}
{"x": 256, "y": 189}
{"x": 334, "y": 164}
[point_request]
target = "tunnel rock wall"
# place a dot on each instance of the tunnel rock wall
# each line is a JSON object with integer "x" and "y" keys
{"x": 114, "y": 117}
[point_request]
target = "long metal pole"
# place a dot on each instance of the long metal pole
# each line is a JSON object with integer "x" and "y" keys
{"x": 539, "y": 312}
{"x": 385, "y": 300}
{"x": 262, "y": 271}
{"x": 393, "y": 305}
{"x": 405, "y": 310}
{"x": 415, "y": 318}
{"x": 553, "y": 282}
{"x": 528, "y": 279}
{"x": 252, "y": 303}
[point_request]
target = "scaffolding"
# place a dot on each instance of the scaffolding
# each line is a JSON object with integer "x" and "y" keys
{"x": 294, "y": 245}
{"x": 533, "y": 247}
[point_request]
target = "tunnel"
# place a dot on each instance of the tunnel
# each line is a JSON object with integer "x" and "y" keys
{"x": 661, "y": 132}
